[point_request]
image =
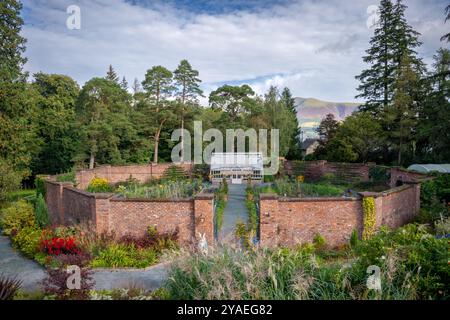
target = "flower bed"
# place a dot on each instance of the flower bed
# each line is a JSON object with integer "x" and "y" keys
{"x": 53, "y": 245}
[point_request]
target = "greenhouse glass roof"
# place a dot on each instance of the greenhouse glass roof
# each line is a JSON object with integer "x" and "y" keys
{"x": 426, "y": 168}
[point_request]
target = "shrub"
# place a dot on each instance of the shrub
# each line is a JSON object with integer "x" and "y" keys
{"x": 174, "y": 173}
{"x": 67, "y": 177}
{"x": 41, "y": 212}
{"x": 99, "y": 185}
{"x": 319, "y": 241}
{"x": 9, "y": 180}
{"x": 409, "y": 252}
{"x": 328, "y": 177}
{"x": 153, "y": 239}
{"x": 27, "y": 240}
{"x": 354, "y": 238}
{"x": 18, "y": 215}
{"x": 39, "y": 183}
{"x": 56, "y": 246}
{"x": 9, "y": 287}
{"x": 224, "y": 186}
{"x": 124, "y": 255}
{"x": 55, "y": 282}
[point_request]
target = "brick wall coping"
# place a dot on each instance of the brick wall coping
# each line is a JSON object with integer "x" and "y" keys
{"x": 120, "y": 199}
{"x": 407, "y": 185}
{"x": 317, "y": 199}
{"x": 204, "y": 196}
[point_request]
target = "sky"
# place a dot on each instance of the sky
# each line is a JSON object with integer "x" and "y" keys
{"x": 313, "y": 47}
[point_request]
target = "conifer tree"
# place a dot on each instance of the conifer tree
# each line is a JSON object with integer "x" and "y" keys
{"x": 188, "y": 90}
{"x": 401, "y": 116}
{"x": 393, "y": 38}
{"x": 112, "y": 75}
{"x": 288, "y": 101}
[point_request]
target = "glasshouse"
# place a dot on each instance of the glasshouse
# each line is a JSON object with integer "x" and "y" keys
{"x": 236, "y": 167}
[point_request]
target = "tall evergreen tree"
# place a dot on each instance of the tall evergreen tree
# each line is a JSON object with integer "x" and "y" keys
{"x": 18, "y": 140}
{"x": 295, "y": 150}
{"x": 124, "y": 84}
{"x": 188, "y": 91}
{"x": 158, "y": 86}
{"x": 434, "y": 124}
{"x": 393, "y": 38}
{"x": 446, "y": 37}
{"x": 112, "y": 75}
{"x": 401, "y": 116}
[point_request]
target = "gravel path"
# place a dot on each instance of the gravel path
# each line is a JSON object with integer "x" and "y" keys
{"x": 12, "y": 263}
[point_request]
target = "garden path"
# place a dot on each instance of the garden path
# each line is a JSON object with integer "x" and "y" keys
{"x": 235, "y": 210}
{"x": 12, "y": 263}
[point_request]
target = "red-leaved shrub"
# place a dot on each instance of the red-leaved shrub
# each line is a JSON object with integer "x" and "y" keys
{"x": 56, "y": 246}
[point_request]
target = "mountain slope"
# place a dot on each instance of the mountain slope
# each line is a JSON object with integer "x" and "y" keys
{"x": 311, "y": 111}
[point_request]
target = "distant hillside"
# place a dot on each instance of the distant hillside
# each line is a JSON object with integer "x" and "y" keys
{"x": 311, "y": 111}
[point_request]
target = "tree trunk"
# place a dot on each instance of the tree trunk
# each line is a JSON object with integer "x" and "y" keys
{"x": 157, "y": 135}
{"x": 91, "y": 161}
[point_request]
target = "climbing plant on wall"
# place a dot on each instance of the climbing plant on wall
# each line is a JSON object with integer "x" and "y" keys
{"x": 369, "y": 217}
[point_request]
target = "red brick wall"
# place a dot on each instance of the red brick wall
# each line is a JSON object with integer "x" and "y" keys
{"x": 399, "y": 205}
{"x": 291, "y": 221}
{"x": 115, "y": 174}
{"x": 314, "y": 170}
{"x": 79, "y": 205}
{"x": 68, "y": 205}
{"x": 134, "y": 217}
{"x": 288, "y": 222}
{"x": 402, "y": 175}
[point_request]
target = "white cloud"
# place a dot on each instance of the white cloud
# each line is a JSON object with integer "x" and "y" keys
{"x": 313, "y": 47}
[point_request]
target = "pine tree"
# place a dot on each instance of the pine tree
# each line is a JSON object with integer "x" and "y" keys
{"x": 188, "y": 85}
{"x": 124, "y": 84}
{"x": 400, "y": 117}
{"x": 112, "y": 75}
{"x": 446, "y": 37}
{"x": 434, "y": 116}
{"x": 295, "y": 151}
{"x": 393, "y": 38}
{"x": 158, "y": 86}
{"x": 136, "y": 87}
{"x": 12, "y": 44}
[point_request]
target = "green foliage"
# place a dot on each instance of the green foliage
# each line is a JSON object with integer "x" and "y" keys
{"x": 409, "y": 254}
{"x": 69, "y": 176}
{"x": 164, "y": 190}
{"x": 368, "y": 204}
{"x": 253, "y": 220}
{"x": 220, "y": 198}
{"x": 39, "y": 183}
{"x": 379, "y": 173}
{"x": 27, "y": 240}
{"x": 17, "y": 216}
{"x": 174, "y": 173}
{"x": 319, "y": 241}
{"x": 201, "y": 171}
{"x": 289, "y": 188}
{"x": 413, "y": 266}
{"x": 354, "y": 238}
{"x": 9, "y": 180}
{"x": 41, "y": 212}
{"x": 124, "y": 256}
